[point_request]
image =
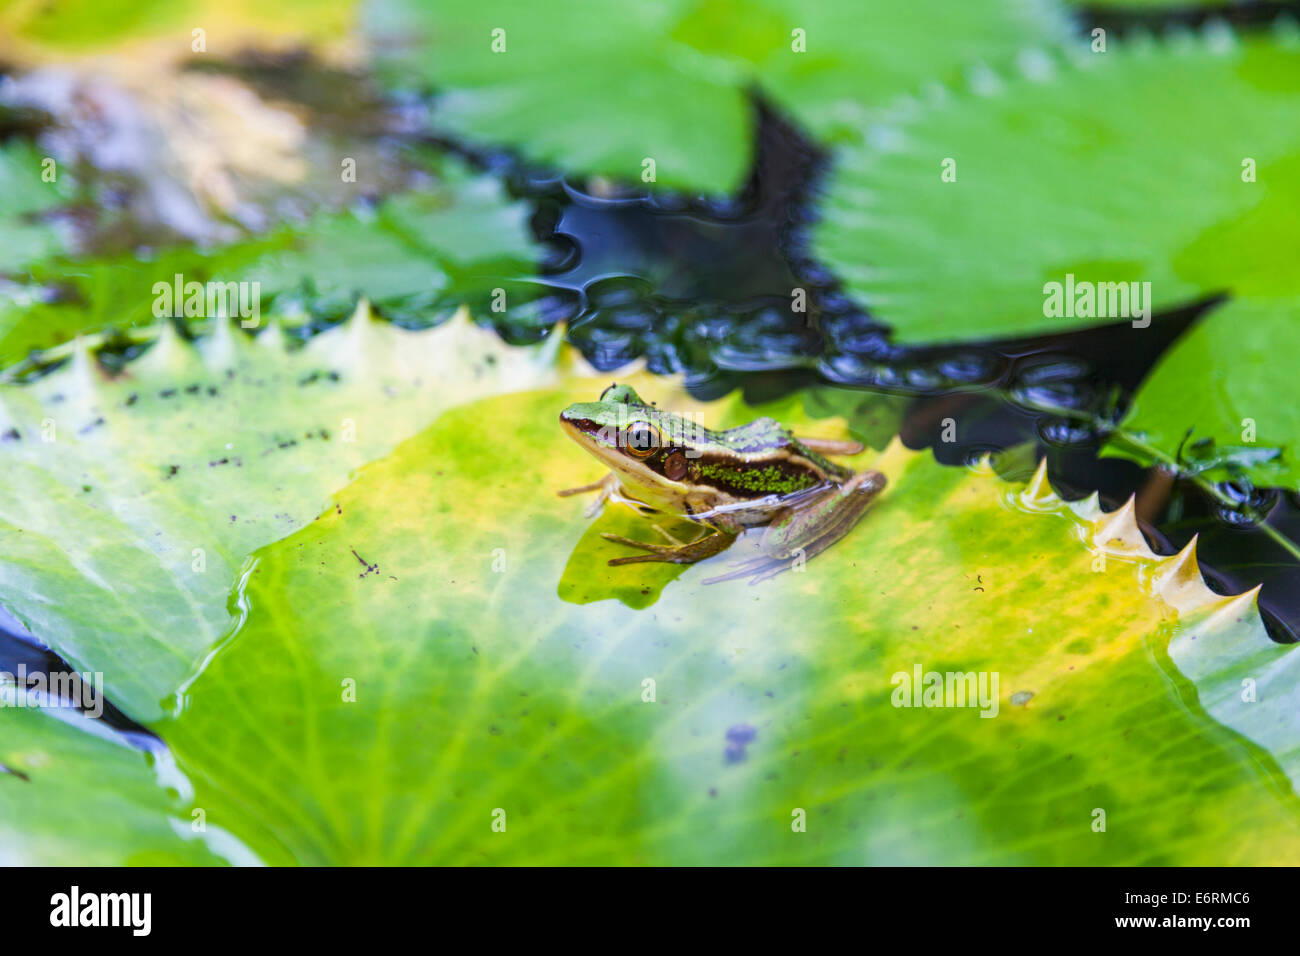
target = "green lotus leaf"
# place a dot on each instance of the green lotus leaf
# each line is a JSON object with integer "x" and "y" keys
{"x": 440, "y": 667}
{"x": 130, "y": 505}
{"x": 674, "y": 75}
{"x": 419, "y": 679}
{"x": 1089, "y": 166}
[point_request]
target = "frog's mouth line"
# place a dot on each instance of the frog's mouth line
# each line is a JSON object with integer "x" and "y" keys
{"x": 586, "y": 433}
{"x": 578, "y": 426}
{"x": 636, "y": 473}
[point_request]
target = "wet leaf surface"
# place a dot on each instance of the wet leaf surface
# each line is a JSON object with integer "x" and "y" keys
{"x": 71, "y": 795}
{"x": 431, "y": 595}
{"x": 407, "y": 665}
{"x": 129, "y": 506}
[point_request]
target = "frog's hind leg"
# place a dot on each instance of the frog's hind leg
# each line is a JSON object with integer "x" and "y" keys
{"x": 808, "y": 530}
{"x": 832, "y": 446}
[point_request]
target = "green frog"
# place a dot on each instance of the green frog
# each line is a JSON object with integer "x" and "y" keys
{"x": 757, "y": 474}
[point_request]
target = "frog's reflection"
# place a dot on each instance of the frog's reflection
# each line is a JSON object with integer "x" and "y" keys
{"x": 588, "y": 575}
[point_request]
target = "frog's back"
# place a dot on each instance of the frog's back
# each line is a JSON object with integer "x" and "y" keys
{"x": 762, "y": 434}
{"x": 767, "y": 435}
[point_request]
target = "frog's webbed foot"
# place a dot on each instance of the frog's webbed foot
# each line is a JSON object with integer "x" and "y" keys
{"x": 705, "y": 547}
{"x": 809, "y": 529}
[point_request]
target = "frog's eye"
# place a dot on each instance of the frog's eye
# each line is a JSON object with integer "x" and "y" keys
{"x": 641, "y": 439}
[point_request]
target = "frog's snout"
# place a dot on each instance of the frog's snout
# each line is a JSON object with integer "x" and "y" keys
{"x": 569, "y": 423}
{"x": 576, "y": 426}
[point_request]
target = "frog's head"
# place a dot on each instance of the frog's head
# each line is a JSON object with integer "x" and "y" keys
{"x": 647, "y": 448}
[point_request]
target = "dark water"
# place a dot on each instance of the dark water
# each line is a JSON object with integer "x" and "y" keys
{"x": 18, "y": 651}
{"x": 1244, "y": 15}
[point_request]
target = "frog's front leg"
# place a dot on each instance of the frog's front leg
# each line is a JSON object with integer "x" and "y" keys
{"x": 723, "y": 535}
{"x": 606, "y": 487}
{"x": 809, "y": 528}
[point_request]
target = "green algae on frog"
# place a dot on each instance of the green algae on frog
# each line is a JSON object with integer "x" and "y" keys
{"x": 751, "y": 475}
